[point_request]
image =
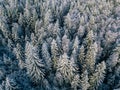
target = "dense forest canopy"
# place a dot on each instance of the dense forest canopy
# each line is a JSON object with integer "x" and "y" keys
{"x": 59, "y": 44}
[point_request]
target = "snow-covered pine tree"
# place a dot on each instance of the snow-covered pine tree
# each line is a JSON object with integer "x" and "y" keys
{"x": 55, "y": 53}
{"x": 65, "y": 69}
{"x": 46, "y": 56}
{"x": 98, "y": 76}
{"x": 81, "y": 59}
{"x": 20, "y": 55}
{"x": 34, "y": 65}
{"x": 84, "y": 84}
{"x": 90, "y": 58}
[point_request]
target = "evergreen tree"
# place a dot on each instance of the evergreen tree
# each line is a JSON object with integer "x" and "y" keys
{"x": 65, "y": 68}
{"x": 81, "y": 59}
{"x": 20, "y": 55}
{"x": 98, "y": 76}
{"x": 90, "y": 55}
{"x": 55, "y": 53}
{"x": 84, "y": 84}
{"x": 46, "y": 56}
{"x": 34, "y": 65}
